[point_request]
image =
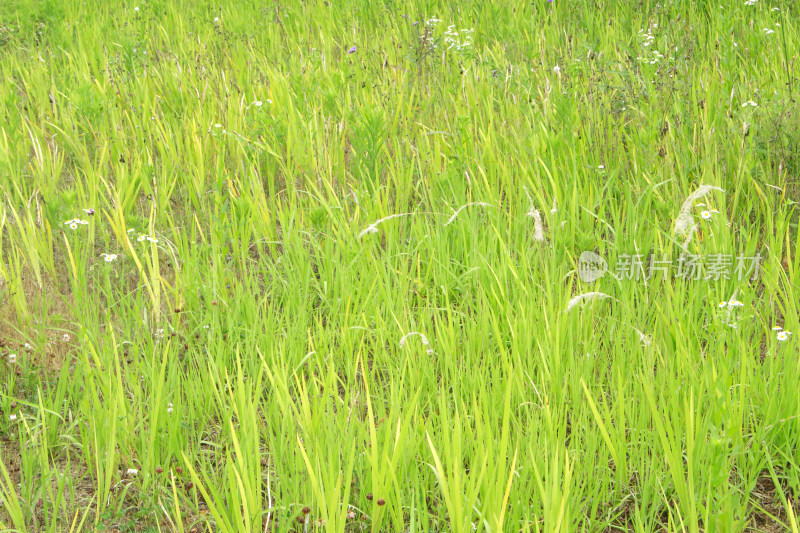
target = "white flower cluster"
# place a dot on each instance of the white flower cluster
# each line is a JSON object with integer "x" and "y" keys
{"x": 648, "y": 39}
{"x": 75, "y": 222}
{"x": 458, "y": 39}
{"x": 146, "y": 237}
{"x": 432, "y": 22}
{"x": 782, "y": 335}
{"x": 647, "y": 36}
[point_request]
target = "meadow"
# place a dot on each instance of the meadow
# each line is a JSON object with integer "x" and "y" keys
{"x": 343, "y": 266}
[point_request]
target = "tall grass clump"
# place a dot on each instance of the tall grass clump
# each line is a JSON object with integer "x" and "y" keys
{"x": 376, "y": 266}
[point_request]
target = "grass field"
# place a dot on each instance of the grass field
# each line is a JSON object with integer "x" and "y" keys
{"x": 330, "y": 265}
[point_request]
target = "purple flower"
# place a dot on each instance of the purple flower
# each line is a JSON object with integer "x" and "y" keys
{"x": 352, "y": 50}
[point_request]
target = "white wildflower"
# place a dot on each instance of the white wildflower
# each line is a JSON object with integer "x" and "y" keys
{"x": 422, "y": 339}
{"x": 12, "y": 417}
{"x": 684, "y": 223}
{"x": 645, "y": 339}
{"x": 373, "y": 228}
{"x": 452, "y": 218}
{"x": 169, "y": 408}
{"x": 12, "y": 358}
{"x": 783, "y": 335}
{"x": 538, "y": 230}
{"x": 131, "y": 472}
{"x": 588, "y": 296}
{"x": 65, "y": 337}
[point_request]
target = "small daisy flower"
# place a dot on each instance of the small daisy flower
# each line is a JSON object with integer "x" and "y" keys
{"x": 136, "y": 9}
{"x": 700, "y": 205}
{"x": 216, "y": 20}
{"x": 28, "y": 346}
{"x": 65, "y": 337}
{"x": 217, "y": 125}
{"x": 131, "y": 472}
{"x": 12, "y": 358}
{"x": 722, "y": 304}
{"x": 783, "y": 335}
{"x": 131, "y": 230}
{"x": 768, "y": 31}
{"x": 73, "y": 224}
{"x": 141, "y": 238}
{"x": 258, "y": 103}
{"x": 169, "y": 408}
{"x": 556, "y": 69}
{"x": 736, "y": 303}
{"x": 12, "y": 417}
{"x": 776, "y": 328}
{"x": 89, "y": 211}
{"x": 109, "y": 257}
{"x": 151, "y": 239}
{"x": 706, "y": 214}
